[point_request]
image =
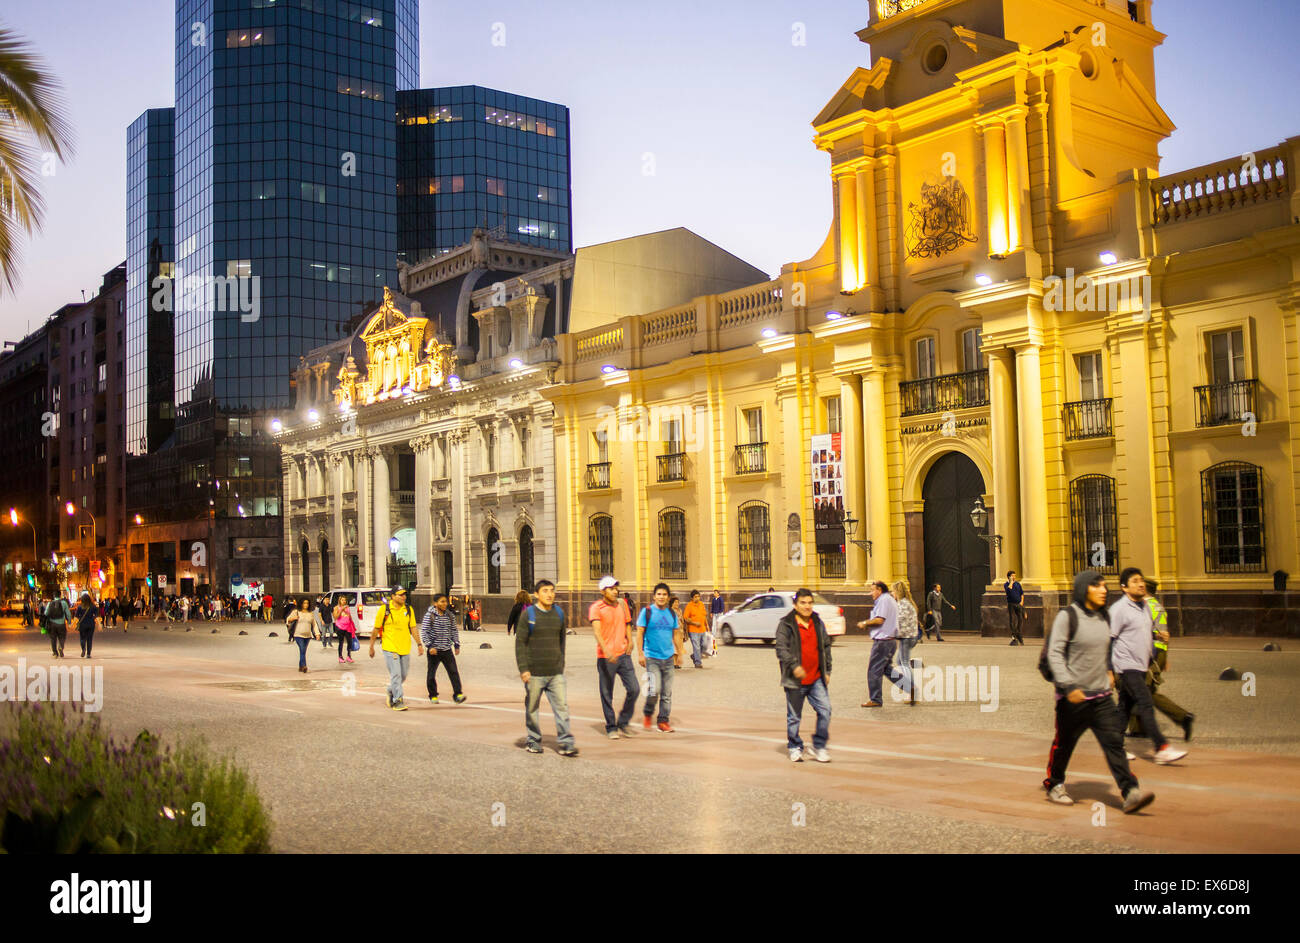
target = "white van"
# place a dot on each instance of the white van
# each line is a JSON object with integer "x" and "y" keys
{"x": 364, "y": 604}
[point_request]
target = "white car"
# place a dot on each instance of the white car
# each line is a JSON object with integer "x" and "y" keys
{"x": 364, "y": 604}
{"x": 757, "y": 617}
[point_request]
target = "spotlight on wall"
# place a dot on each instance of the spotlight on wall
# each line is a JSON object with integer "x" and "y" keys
{"x": 453, "y": 381}
{"x": 983, "y": 281}
{"x": 516, "y": 363}
{"x": 276, "y": 426}
{"x": 608, "y": 368}
{"x": 769, "y": 332}
{"x": 1108, "y": 258}
{"x": 834, "y": 316}
{"x": 313, "y": 416}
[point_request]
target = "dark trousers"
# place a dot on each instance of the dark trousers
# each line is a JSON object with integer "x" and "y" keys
{"x": 1162, "y": 702}
{"x": 1016, "y": 617}
{"x": 345, "y": 644}
{"x": 87, "y": 639}
{"x": 882, "y": 655}
{"x": 447, "y": 657}
{"x": 1102, "y": 717}
{"x": 1135, "y": 700}
{"x": 58, "y": 634}
{"x": 607, "y": 671}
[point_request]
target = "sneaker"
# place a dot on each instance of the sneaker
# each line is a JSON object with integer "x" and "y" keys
{"x": 821, "y": 756}
{"x": 569, "y": 751}
{"x": 1058, "y": 795}
{"x": 533, "y": 747}
{"x": 1130, "y": 756}
{"x": 1169, "y": 755}
{"x": 665, "y": 727}
{"x": 796, "y": 756}
{"x": 388, "y": 699}
{"x": 349, "y": 659}
{"x": 613, "y": 735}
{"x": 871, "y": 704}
{"x": 1137, "y": 799}
{"x": 459, "y": 699}
{"x": 626, "y": 731}
{"x": 433, "y": 699}
{"x": 340, "y": 661}
{"x": 649, "y": 724}
{"x": 399, "y": 706}
{"x": 1187, "y": 726}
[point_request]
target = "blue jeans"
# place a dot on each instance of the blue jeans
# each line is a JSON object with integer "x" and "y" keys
{"x": 905, "y": 646}
{"x": 557, "y": 694}
{"x": 661, "y": 682}
{"x": 820, "y": 699}
{"x": 607, "y": 671}
{"x": 882, "y": 653}
{"x": 398, "y": 666}
{"x": 302, "y": 651}
{"x": 697, "y": 648}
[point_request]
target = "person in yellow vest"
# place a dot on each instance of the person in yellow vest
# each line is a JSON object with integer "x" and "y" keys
{"x": 396, "y": 625}
{"x": 1155, "y": 674}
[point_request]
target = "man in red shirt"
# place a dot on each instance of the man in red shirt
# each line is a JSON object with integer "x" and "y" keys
{"x": 803, "y": 650}
{"x": 609, "y": 618}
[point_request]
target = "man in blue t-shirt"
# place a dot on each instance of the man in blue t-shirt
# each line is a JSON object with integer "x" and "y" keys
{"x": 657, "y": 636}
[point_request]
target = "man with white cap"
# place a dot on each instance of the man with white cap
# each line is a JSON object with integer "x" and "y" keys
{"x": 610, "y": 618}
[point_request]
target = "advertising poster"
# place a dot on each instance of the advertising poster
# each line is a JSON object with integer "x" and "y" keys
{"x": 828, "y": 492}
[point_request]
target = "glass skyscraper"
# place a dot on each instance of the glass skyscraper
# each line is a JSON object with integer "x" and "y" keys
{"x": 470, "y": 158}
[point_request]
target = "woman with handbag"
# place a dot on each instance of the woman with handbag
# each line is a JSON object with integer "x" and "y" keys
{"x": 346, "y": 629}
{"x": 87, "y": 619}
{"x": 302, "y": 624}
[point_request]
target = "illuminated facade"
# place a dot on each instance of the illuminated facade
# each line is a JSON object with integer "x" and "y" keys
{"x": 1013, "y": 306}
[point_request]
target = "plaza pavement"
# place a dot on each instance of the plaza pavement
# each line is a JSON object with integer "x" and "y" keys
{"x": 342, "y": 773}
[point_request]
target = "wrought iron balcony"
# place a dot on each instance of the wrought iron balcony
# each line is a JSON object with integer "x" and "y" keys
{"x": 938, "y": 394}
{"x": 598, "y": 475}
{"x": 1222, "y": 404}
{"x": 672, "y": 466}
{"x": 751, "y": 458}
{"x": 1087, "y": 419}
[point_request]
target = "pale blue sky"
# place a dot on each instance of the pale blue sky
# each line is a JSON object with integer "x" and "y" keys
{"x": 715, "y": 90}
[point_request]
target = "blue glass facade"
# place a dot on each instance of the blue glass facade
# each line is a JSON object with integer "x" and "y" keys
{"x": 471, "y": 157}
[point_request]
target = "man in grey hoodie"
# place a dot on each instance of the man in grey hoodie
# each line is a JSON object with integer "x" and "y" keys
{"x": 1081, "y": 670}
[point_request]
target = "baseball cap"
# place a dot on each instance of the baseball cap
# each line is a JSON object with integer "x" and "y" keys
{"x": 607, "y": 581}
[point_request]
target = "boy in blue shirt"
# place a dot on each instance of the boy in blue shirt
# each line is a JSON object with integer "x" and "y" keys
{"x": 657, "y": 636}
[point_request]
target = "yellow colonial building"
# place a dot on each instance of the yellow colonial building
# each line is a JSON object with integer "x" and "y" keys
{"x": 1022, "y": 346}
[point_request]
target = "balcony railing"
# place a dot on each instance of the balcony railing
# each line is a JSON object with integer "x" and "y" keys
{"x": 404, "y": 499}
{"x": 1087, "y": 419}
{"x": 751, "y": 458}
{"x": 598, "y": 475}
{"x": 1222, "y": 404}
{"x": 672, "y": 466}
{"x": 937, "y": 394}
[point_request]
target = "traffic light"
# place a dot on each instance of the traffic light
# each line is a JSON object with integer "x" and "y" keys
{"x": 31, "y": 580}
{"x": 148, "y": 581}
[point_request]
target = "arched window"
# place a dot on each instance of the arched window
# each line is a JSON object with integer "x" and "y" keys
{"x": 495, "y": 551}
{"x": 526, "y": 578}
{"x": 1232, "y": 511}
{"x": 672, "y": 544}
{"x": 304, "y": 554}
{"x": 600, "y": 545}
{"x": 1094, "y": 525}
{"x": 755, "y": 541}
{"x": 324, "y": 565}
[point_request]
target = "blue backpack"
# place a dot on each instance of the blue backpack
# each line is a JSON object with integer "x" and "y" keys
{"x": 532, "y": 618}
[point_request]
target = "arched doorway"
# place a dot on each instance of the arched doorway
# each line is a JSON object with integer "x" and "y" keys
{"x": 495, "y": 551}
{"x": 526, "y": 558}
{"x": 304, "y": 553}
{"x": 955, "y": 556}
{"x": 324, "y": 565}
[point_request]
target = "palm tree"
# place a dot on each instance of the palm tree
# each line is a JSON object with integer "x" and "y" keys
{"x": 32, "y": 122}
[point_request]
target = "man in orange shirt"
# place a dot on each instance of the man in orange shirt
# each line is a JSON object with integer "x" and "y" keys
{"x": 696, "y": 618}
{"x": 609, "y": 618}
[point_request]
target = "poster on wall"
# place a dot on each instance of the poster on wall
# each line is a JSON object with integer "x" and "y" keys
{"x": 828, "y": 492}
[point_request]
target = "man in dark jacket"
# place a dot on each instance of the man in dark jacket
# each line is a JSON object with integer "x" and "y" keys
{"x": 539, "y": 655}
{"x": 803, "y": 650}
{"x": 1084, "y": 677}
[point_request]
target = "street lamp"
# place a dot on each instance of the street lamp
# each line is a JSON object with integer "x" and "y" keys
{"x": 13, "y": 521}
{"x": 979, "y": 517}
{"x": 851, "y": 528}
{"x": 72, "y": 511}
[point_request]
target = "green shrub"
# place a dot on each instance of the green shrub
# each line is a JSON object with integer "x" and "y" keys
{"x": 67, "y": 787}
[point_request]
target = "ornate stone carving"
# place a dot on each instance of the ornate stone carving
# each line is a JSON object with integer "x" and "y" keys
{"x": 940, "y": 223}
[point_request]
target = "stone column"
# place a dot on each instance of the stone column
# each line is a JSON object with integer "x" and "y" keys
{"x": 848, "y": 194}
{"x": 1019, "y": 225}
{"x": 1004, "y": 439}
{"x": 336, "y": 537}
{"x": 868, "y": 265}
{"x": 423, "y": 448}
{"x": 364, "y": 516}
{"x": 995, "y": 178}
{"x": 1035, "y": 546}
{"x": 383, "y": 524}
{"x": 854, "y": 495}
{"x": 873, "y": 418}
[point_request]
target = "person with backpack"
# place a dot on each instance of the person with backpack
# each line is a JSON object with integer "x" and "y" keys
{"x": 657, "y": 639}
{"x": 57, "y": 616}
{"x": 442, "y": 645}
{"x": 522, "y": 599}
{"x": 1131, "y": 656}
{"x": 539, "y": 656}
{"x": 610, "y": 617}
{"x": 87, "y": 619}
{"x": 1076, "y": 658}
{"x": 397, "y": 617}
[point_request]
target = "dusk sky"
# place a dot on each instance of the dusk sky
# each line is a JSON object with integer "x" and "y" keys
{"x": 715, "y": 90}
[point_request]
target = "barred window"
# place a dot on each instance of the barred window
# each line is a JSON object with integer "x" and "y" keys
{"x": 1094, "y": 524}
{"x": 495, "y": 551}
{"x": 600, "y": 537}
{"x": 755, "y": 541}
{"x": 526, "y": 579}
{"x": 672, "y": 543}
{"x": 1232, "y": 508}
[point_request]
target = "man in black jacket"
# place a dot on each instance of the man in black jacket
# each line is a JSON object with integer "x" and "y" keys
{"x": 803, "y": 650}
